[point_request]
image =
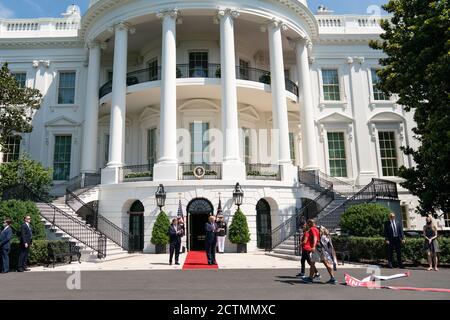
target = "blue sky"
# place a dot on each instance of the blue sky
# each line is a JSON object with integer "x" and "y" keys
{"x": 53, "y": 8}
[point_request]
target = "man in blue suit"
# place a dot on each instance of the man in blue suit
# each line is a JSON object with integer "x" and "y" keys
{"x": 5, "y": 244}
{"x": 211, "y": 230}
{"x": 26, "y": 239}
{"x": 393, "y": 234}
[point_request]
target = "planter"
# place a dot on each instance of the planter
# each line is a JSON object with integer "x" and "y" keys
{"x": 160, "y": 248}
{"x": 241, "y": 248}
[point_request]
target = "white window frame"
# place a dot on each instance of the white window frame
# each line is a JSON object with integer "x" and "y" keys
{"x": 339, "y": 129}
{"x": 77, "y": 77}
{"x": 377, "y": 103}
{"x": 388, "y": 127}
{"x": 53, "y": 132}
{"x": 12, "y": 72}
{"x": 342, "y": 103}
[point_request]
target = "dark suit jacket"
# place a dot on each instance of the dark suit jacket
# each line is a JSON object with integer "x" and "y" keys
{"x": 173, "y": 236}
{"x": 389, "y": 232}
{"x": 211, "y": 236}
{"x": 26, "y": 234}
{"x": 5, "y": 238}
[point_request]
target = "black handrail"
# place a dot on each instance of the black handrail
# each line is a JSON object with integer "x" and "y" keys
{"x": 288, "y": 228}
{"x": 319, "y": 181}
{"x": 99, "y": 222}
{"x": 211, "y": 70}
{"x": 67, "y": 223}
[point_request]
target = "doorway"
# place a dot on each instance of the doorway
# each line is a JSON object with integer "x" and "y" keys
{"x": 198, "y": 211}
{"x": 136, "y": 229}
{"x": 263, "y": 224}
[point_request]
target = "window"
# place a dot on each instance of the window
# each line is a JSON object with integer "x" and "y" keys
{"x": 331, "y": 90}
{"x": 404, "y": 209}
{"x": 21, "y": 78}
{"x": 199, "y": 142}
{"x": 153, "y": 70}
{"x": 61, "y": 158}
{"x": 105, "y": 162}
{"x": 246, "y": 144}
{"x": 110, "y": 75}
{"x": 244, "y": 69}
{"x": 151, "y": 145}
{"x": 336, "y": 154}
{"x": 447, "y": 220}
{"x": 377, "y": 93}
{"x": 388, "y": 153}
{"x": 287, "y": 74}
{"x": 292, "y": 145}
{"x": 12, "y": 149}
{"x": 66, "y": 89}
{"x": 198, "y": 64}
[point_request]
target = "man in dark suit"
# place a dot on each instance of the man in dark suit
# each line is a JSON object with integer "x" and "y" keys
{"x": 211, "y": 230}
{"x": 5, "y": 245}
{"x": 393, "y": 234}
{"x": 175, "y": 234}
{"x": 26, "y": 239}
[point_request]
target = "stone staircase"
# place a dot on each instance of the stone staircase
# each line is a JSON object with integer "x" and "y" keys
{"x": 113, "y": 251}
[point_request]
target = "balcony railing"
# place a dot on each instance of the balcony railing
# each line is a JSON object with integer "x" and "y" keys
{"x": 208, "y": 71}
{"x": 201, "y": 171}
{"x": 143, "y": 172}
{"x": 263, "y": 171}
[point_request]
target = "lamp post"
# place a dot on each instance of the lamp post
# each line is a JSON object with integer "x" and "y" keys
{"x": 160, "y": 195}
{"x": 238, "y": 195}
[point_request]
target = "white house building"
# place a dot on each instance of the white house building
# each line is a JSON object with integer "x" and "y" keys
{"x": 201, "y": 95}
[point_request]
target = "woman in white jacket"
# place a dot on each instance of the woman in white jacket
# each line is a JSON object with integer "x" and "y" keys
{"x": 328, "y": 255}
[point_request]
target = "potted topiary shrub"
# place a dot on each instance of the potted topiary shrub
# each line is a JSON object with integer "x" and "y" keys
{"x": 218, "y": 72}
{"x": 160, "y": 236}
{"x": 265, "y": 78}
{"x": 238, "y": 232}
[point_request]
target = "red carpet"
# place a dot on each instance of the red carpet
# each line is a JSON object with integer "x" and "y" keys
{"x": 197, "y": 260}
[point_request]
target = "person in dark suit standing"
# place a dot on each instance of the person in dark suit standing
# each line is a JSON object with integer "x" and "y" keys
{"x": 5, "y": 245}
{"x": 26, "y": 239}
{"x": 393, "y": 234}
{"x": 175, "y": 234}
{"x": 211, "y": 230}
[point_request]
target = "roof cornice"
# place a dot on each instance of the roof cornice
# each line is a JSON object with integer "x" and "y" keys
{"x": 8, "y": 43}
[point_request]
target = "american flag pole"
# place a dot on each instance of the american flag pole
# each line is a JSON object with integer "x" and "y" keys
{"x": 219, "y": 207}
{"x": 180, "y": 214}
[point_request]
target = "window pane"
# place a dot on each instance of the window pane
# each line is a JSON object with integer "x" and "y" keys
{"x": 199, "y": 142}
{"x": 331, "y": 90}
{"x": 61, "y": 158}
{"x": 377, "y": 93}
{"x": 292, "y": 145}
{"x": 151, "y": 145}
{"x": 336, "y": 154}
{"x": 21, "y": 78}
{"x": 12, "y": 149}
{"x": 388, "y": 153}
{"x": 198, "y": 64}
{"x": 106, "y": 150}
{"x": 66, "y": 89}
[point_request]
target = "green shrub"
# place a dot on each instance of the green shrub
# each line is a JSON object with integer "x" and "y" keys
{"x": 238, "y": 231}
{"x": 16, "y": 210}
{"x": 160, "y": 230}
{"x": 364, "y": 220}
{"x": 27, "y": 172}
{"x": 38, "y": 253}
{"x": 375, "y": 249}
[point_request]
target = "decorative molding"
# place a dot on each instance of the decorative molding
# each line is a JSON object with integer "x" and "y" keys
{"x": 227, "y": 12}
{"x": 350, "y": 132}
{"x": 173, "y": 13}
{"x": 359, "y": 60}
{"x": 311, "y": 60}
{"x": 45, "y": 63}
{"x": 74, "y": 42}
{"x": 350, "y": 60}
{"x": 321, "y": 132}
{"x": 373, "y": 132}
{"x": 401, "y": 131}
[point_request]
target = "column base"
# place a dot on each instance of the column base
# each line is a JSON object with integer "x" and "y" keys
{"x": 365, "y": 177}
{"x": 289, "y": 172}
{"x": 234, "y": 171}
{"x": 110, "y": 175}
{"x": 165, "y": 172}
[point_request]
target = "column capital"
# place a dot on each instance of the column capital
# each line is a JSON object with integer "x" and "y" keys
{"x": 172, "y": 13}
{"x": 274, "y": 24}
{"x": 95, "y": 43}
{"x": 227, "y": 12}
{"x": 122, "y": 25}
{"x": 352, "y": 60}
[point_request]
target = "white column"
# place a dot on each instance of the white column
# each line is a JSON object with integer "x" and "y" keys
{"x": 167, "y": 166}
{"x": 309, "y": 144}
{"x": 232, "y": 168}
{"x": 118, "y": 105}
{"x": 278, "y": 87}
{"x": 89, "y": 151}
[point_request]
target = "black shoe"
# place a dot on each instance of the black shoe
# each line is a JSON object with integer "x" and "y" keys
{"x": 19, "y": 270}
{"x": 402, "y": 267}
{"x": 390, "y": 266}
{"x": 170, "y": 263}
{"x": 5, "y": 271}
{"x": 177, "y": 263}
{"x": 26, "y": 269}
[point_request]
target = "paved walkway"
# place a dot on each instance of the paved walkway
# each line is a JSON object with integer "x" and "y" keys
{"x": 254, "y": 260}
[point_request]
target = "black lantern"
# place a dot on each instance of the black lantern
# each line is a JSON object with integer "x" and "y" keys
{"x": 238, "y": 195}
{"x": 160, "y": 197}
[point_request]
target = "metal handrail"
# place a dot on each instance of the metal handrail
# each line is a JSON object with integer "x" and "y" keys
{"x": 211, "y": 70}
{"x": 318, "y": 180}
{"x": 100, "y": 223}
{"x": 258, "y": 171}
{"x": 67, "y": 223}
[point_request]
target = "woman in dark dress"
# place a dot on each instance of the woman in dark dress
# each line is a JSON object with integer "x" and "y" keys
{"x": 431, "y": 246}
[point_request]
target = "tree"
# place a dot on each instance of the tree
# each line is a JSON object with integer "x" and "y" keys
{"x": 160, "y": 233}
{"x": 364, "y": 220}
{"x": 417, "y": 67}
{"x": 28, "y": 172}
{"x": 238, "y": 231}
{"x": 17, "y": 105}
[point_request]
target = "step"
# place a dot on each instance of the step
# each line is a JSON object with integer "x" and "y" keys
{"x": 286, "y": 246}
{"x": 283, "y": 256}
{"x": 284, "y": 251}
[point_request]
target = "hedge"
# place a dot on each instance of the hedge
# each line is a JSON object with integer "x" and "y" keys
{"x": 364, "y": 249}
{"x": 38, "y": 252}
{"x": 365, "y": 220}
{"x": 16, "y": 210}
